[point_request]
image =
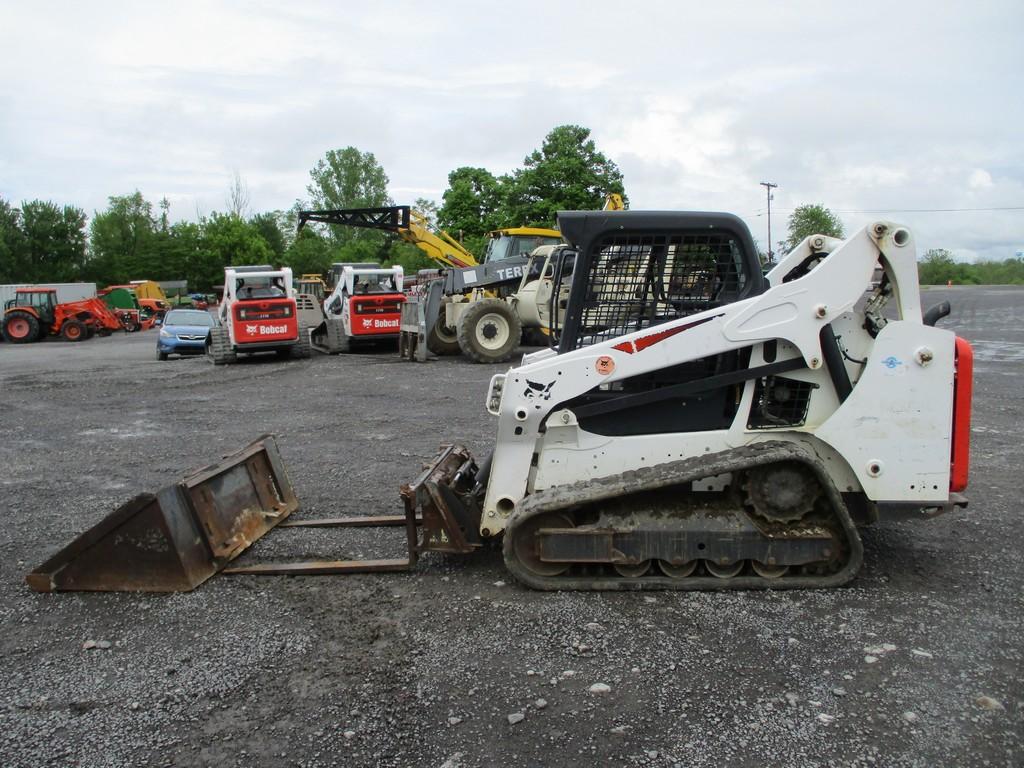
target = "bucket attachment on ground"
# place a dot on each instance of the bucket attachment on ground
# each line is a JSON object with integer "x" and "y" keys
{"x": 175, "y": 539}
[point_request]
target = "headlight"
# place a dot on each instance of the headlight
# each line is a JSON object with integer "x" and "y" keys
{"x": 493, "y": 402}
{"x": 165, "y": 334}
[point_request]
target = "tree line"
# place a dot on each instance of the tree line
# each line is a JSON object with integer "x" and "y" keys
{"x": 41, "y": 241}
{"x": 937, "y": 266}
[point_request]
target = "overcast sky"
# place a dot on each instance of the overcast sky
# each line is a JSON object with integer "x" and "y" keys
{"x": 894, "y": 106}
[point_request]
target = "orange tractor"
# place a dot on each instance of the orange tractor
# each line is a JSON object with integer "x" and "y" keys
{"x": 35, "y": 314}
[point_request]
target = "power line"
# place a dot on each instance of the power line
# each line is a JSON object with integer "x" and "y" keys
{"x": 908, "y": 210}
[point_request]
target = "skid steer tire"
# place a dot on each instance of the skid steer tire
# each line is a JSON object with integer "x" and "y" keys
{"x": 22, "y": 327}
{"x": 74, "y": 330}
{"x": 218, "y": 347}
{"x": 490, "y": 331}
{"x": 442, "y": 340}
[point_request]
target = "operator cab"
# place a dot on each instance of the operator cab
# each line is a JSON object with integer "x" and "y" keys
{"x": 43, "y": 300}
{"x": 649, "y": 267}
{"x": 508, "y": 243}
{"x": 247, "y": 288}
{"x": 374, "y": 284}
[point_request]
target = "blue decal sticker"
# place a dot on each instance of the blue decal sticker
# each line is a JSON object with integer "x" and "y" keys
{"x": 891, "y": 362}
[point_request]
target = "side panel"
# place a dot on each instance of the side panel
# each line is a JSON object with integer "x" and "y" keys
{"x": 895, "y": 429}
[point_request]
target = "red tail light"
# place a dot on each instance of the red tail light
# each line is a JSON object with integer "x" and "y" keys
{"x": 962, "y": 385}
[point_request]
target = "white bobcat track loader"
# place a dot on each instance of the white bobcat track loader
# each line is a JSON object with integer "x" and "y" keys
{"x": 698, "y": 426}
{"x": 365, "y": 306}
{"x": 257, "y": 314}
{"x": 702, "y": 427}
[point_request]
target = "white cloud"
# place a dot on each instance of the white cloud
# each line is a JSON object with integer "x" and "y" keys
{"x": 697, "y": 104}
{"x": 979, "y": 179}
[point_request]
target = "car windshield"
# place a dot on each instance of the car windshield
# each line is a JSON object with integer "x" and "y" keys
{"x": 189, "y": 317}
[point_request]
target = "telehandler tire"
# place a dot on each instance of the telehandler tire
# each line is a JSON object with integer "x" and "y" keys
{"x": 22, "y": 327}
{"x": 442, "y": 340}
{"x": 490, "y": 331}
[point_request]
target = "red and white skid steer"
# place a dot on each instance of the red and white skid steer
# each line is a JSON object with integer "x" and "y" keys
{"x": 365, "y": 306}
{"x": 258, "y": 314}
{"x": 697, "y": 425}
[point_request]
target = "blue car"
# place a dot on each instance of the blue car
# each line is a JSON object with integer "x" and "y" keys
{"x": 184, "y": 332}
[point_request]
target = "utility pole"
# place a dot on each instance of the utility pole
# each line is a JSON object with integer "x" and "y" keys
{"x": 768, "y": 187}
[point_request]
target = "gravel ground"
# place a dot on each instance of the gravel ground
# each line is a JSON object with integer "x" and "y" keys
{"x": 454, "y": 664}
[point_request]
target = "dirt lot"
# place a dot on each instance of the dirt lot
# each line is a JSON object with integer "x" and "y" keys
{"x": 425, "y": 669}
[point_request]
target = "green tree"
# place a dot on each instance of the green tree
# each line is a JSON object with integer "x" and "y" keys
{"x": 807, "y": 220}
{"x": 348, "y": 178}
{"x": 228, "y": 240}
{"x": 409, "y": 257}
{"x": 566, "y": 173}
{"x": 187, "y": 257}
{"x": 122, "y": 240}
{"x": 309, "y": 253}
{"x": 938, "y": 266}
{"x": 472, "y": 204}
{"x": 267, "y": 224}
{"x": 426, "y": 207}
{"x": 55, "y": 241}
{"x": 13, "y": 246}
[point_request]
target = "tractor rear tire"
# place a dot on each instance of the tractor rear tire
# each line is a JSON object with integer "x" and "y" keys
{"x": 218, "y": 347}
{"x": 74, "y": 330}
{"x": 22, "y": 328}
{"x": 442, "y": 340}
{"x": 490, "y": 331}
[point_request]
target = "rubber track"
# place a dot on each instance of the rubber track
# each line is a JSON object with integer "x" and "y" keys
{"x": 675, "y": 473}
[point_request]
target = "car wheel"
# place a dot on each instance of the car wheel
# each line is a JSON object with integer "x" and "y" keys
{"x": 161, "y": 355}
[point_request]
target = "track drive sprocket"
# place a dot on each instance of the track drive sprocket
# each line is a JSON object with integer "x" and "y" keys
{"x": 782, "y": 492}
